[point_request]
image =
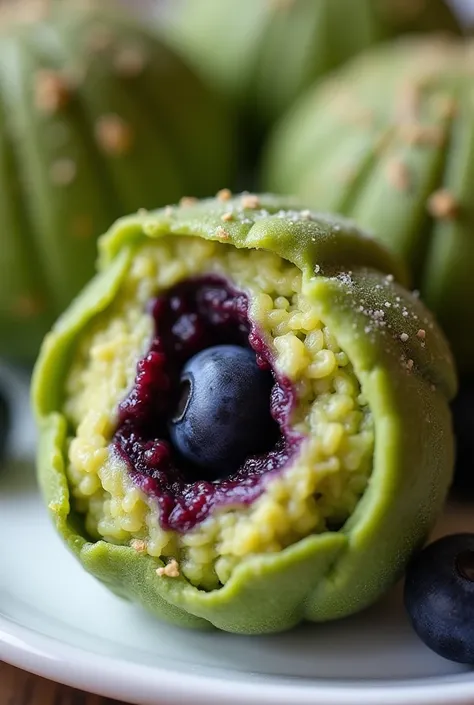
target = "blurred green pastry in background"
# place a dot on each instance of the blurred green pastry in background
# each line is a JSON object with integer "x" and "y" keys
{"x": 389, "y": 141}
{"x": 97, "y": 118}
{"x": 263, "y": 53}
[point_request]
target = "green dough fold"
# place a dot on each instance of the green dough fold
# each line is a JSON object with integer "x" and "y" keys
{"x": 407, "y": 376}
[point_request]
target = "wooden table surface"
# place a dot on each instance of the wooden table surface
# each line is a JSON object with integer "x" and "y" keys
{"x": 20, "y": 688}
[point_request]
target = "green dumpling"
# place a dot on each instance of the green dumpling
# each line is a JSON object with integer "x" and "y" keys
{"x": 389, "y": 141}
{"x": 323, "y": 519}
{"x": 263, "y": 53}
{"x": 94, "y": 123}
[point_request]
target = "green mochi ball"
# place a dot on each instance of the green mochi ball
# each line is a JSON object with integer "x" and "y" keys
{"x": 98, "y": 118}
{"x": 389, "y": 141}
{"x": 364, "y": 460}
{"x": 262, "y": 53}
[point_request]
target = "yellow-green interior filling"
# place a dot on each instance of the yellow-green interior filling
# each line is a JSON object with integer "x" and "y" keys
{"x": 317, "y": 491}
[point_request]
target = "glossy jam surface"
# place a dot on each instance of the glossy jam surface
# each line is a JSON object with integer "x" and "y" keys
{"x": 192, "y": 316}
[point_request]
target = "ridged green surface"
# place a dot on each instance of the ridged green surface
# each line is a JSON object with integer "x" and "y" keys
{"x": 408, "y": 384}
{"x": 59, "y": 186}
{"x": 377, "y": 141}
{"x": 263, "y": 53}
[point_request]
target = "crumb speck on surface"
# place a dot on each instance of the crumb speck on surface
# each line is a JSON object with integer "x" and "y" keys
{"x": 27, "y": 306}
{"x": 52, "y": 91}
{"x": 410, "y": 364}
{"x": 447, "y": 107}
{"x": 416, "y": 134}
{"x": 188, "y": 201}
{"x": 171, "y": 570}
{"x": 138, "y": 545}
{"x": 100, "y": 38}
{"x": 250, "y": 201}
{"x": 443, "y": 205}
{"x": 389, "y": 278}
{"x": 227, "y": 217}
{"x": 114, "y": 136}
{"x": 129, "y": 62}
{"x": 224, "y": 194}
{"x": 222, "y": 234}
{"x": 421, "y": 334}
{"x": 408, "y": 102}
{"x": 63, "y": 172}
{"x": 398, "y": 175}
{"x": 404, "y": 337}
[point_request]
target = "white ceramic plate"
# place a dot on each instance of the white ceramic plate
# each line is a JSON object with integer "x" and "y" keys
{"x": 60, "y": 623}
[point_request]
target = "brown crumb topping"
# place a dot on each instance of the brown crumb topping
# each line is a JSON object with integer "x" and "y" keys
{"x": 227, "y": 217}
{"x": 398, "y": 175}
{"x": 188, "y": 201}
{"x": 138, "y": 545}
{"x": 100, "y": 38}
{"x": 129, "y": 62}
{"x": 27, "y": 306}
{"x": 170, "y": 570}
{"x": 250, "y": 201}
{"x": 224, "y": 194}
{"x": 421, "y": 334}
{"x": 408, "y": 102}
{"x": 52, "y": 91}
{"x": 443, "y": 205}
{"x": 114, "y": 136}
{"x": 63, "y": 172}
{"x": 416, "y": 134}
{"x": 447, "y": 107}
{"x": 222, "y": 234}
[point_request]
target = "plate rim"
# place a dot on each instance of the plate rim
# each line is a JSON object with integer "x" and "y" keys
{"x": 113, "y": 677}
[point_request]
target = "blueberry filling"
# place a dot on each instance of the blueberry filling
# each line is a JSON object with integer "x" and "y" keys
{"x": 191, "y": 317}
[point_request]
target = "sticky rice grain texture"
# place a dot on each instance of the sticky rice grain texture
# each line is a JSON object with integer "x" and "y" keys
{"x": 333, "y": 464}
{"x": 406, "y": 380}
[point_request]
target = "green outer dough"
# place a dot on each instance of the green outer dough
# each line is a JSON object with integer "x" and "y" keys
{"x": 49, "y": 228}
{"x": 342, "y": 144}
{"x": 323, "y": 576}
{"x": 263, "y": 53}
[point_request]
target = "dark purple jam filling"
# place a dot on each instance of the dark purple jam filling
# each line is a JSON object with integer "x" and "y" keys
{"x": 194, "y": 315}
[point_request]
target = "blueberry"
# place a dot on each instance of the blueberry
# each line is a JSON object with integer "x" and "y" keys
{"x": 439, "y": 597}
{"x": 463, "y": 419}
{"x": 223, "y": 413}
